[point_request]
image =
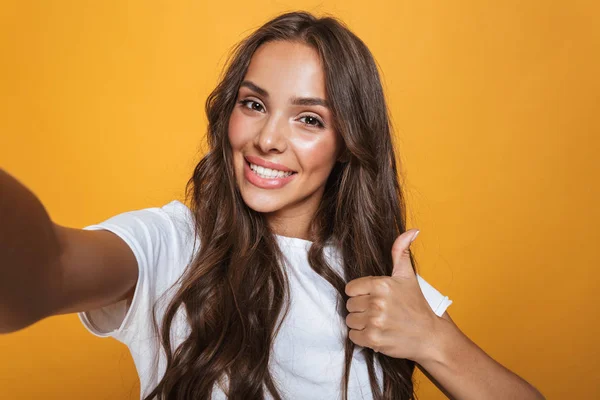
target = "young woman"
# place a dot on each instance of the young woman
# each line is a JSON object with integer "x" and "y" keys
{"x": 290, "y": 276}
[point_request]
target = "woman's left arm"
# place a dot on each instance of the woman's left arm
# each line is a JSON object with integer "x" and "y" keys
{"x": 461, "y": 370}
{"x": 391, "y": 315}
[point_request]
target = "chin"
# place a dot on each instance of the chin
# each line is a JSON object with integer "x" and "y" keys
{"x": 261, "y": 207}
{"x": 262, "y": 203}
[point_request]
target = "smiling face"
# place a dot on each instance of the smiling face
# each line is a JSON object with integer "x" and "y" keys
{"x": 281, "y": 116}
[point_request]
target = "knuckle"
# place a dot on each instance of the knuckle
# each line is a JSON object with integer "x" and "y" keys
{"x": 376, "y": 322}
{"x": 373, "y": 337}
{"x": 382, "y": 285}
{"x": 377, "y": 304}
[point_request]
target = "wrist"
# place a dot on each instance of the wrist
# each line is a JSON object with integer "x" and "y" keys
{"x": 443, "y": 341}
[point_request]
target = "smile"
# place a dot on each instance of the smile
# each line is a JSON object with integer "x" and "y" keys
{"x": 266, "y": 178}
{"x": 268, "y": 172}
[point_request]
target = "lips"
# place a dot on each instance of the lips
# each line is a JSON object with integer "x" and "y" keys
{"x": 266, "y": 183}
{"x": 268, "y": 164}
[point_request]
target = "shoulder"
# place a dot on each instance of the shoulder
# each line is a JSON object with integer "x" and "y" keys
{"x": 183, "y": 233}
{"x": 178, "y": 211}
{"x": 158, "y": 236}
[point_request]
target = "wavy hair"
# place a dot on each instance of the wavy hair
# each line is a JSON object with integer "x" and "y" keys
{"x": 235, "y": 288}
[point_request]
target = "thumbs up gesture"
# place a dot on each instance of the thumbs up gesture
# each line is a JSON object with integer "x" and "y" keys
{"x": 389, "y": 314}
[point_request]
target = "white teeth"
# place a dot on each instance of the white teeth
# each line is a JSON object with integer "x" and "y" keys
{"x": 268, "y": 172}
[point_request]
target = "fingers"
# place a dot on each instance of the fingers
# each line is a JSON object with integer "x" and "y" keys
{"x": 359, "y": 286}
{"x": 356, "y": 320}
{"x": 357, "y": 304}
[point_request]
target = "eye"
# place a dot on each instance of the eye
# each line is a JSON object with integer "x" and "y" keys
{"x": 313, "y": 121}
{"x": 255, "y": 106}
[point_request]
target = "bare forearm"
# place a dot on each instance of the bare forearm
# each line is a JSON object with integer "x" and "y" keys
{"x": 464, "y": 371}
{"x": 28, "y": 249}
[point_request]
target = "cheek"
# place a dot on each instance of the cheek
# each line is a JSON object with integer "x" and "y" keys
{"x": 317, "y": 156}
{"x": 238, "y": 130}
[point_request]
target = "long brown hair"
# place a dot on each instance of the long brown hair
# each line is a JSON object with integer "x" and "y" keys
{"x": 234, "y": 289}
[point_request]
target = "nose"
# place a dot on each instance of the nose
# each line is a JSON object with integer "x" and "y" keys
{"x": 273, "y": 136}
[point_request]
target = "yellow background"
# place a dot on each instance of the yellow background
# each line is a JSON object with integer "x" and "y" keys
{"x": 496, "y": 107}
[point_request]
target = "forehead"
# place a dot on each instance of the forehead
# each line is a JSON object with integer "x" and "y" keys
{"x": 287, "y": 69}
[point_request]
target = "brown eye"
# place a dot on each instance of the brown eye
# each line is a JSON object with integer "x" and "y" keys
{"x": 255, "y": 106}
{"x": 313, "y": 121}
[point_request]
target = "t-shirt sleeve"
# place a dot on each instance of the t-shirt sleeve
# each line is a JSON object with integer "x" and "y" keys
{"x": 437, "y": 301}
{"x": 159, "y": 239}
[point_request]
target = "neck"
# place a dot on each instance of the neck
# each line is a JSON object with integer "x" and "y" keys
{"x": 294, "y": 221}
{"x": 296, "y": 226}
{"x": 290, "y": 229}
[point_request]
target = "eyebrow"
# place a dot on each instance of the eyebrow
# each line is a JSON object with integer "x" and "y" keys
{"x": 297, "y": 101}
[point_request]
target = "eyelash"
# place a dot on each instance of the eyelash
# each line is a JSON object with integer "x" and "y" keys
{"x": 319, "y": 125}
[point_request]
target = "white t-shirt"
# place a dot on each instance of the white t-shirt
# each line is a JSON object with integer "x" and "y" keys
{"x": 308, "y": 354}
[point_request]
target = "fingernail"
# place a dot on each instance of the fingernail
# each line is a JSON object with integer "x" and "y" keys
{"x": 414, "y": 237}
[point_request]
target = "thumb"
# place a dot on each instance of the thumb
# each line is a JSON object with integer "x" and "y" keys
{"x": 401, "y": 256}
